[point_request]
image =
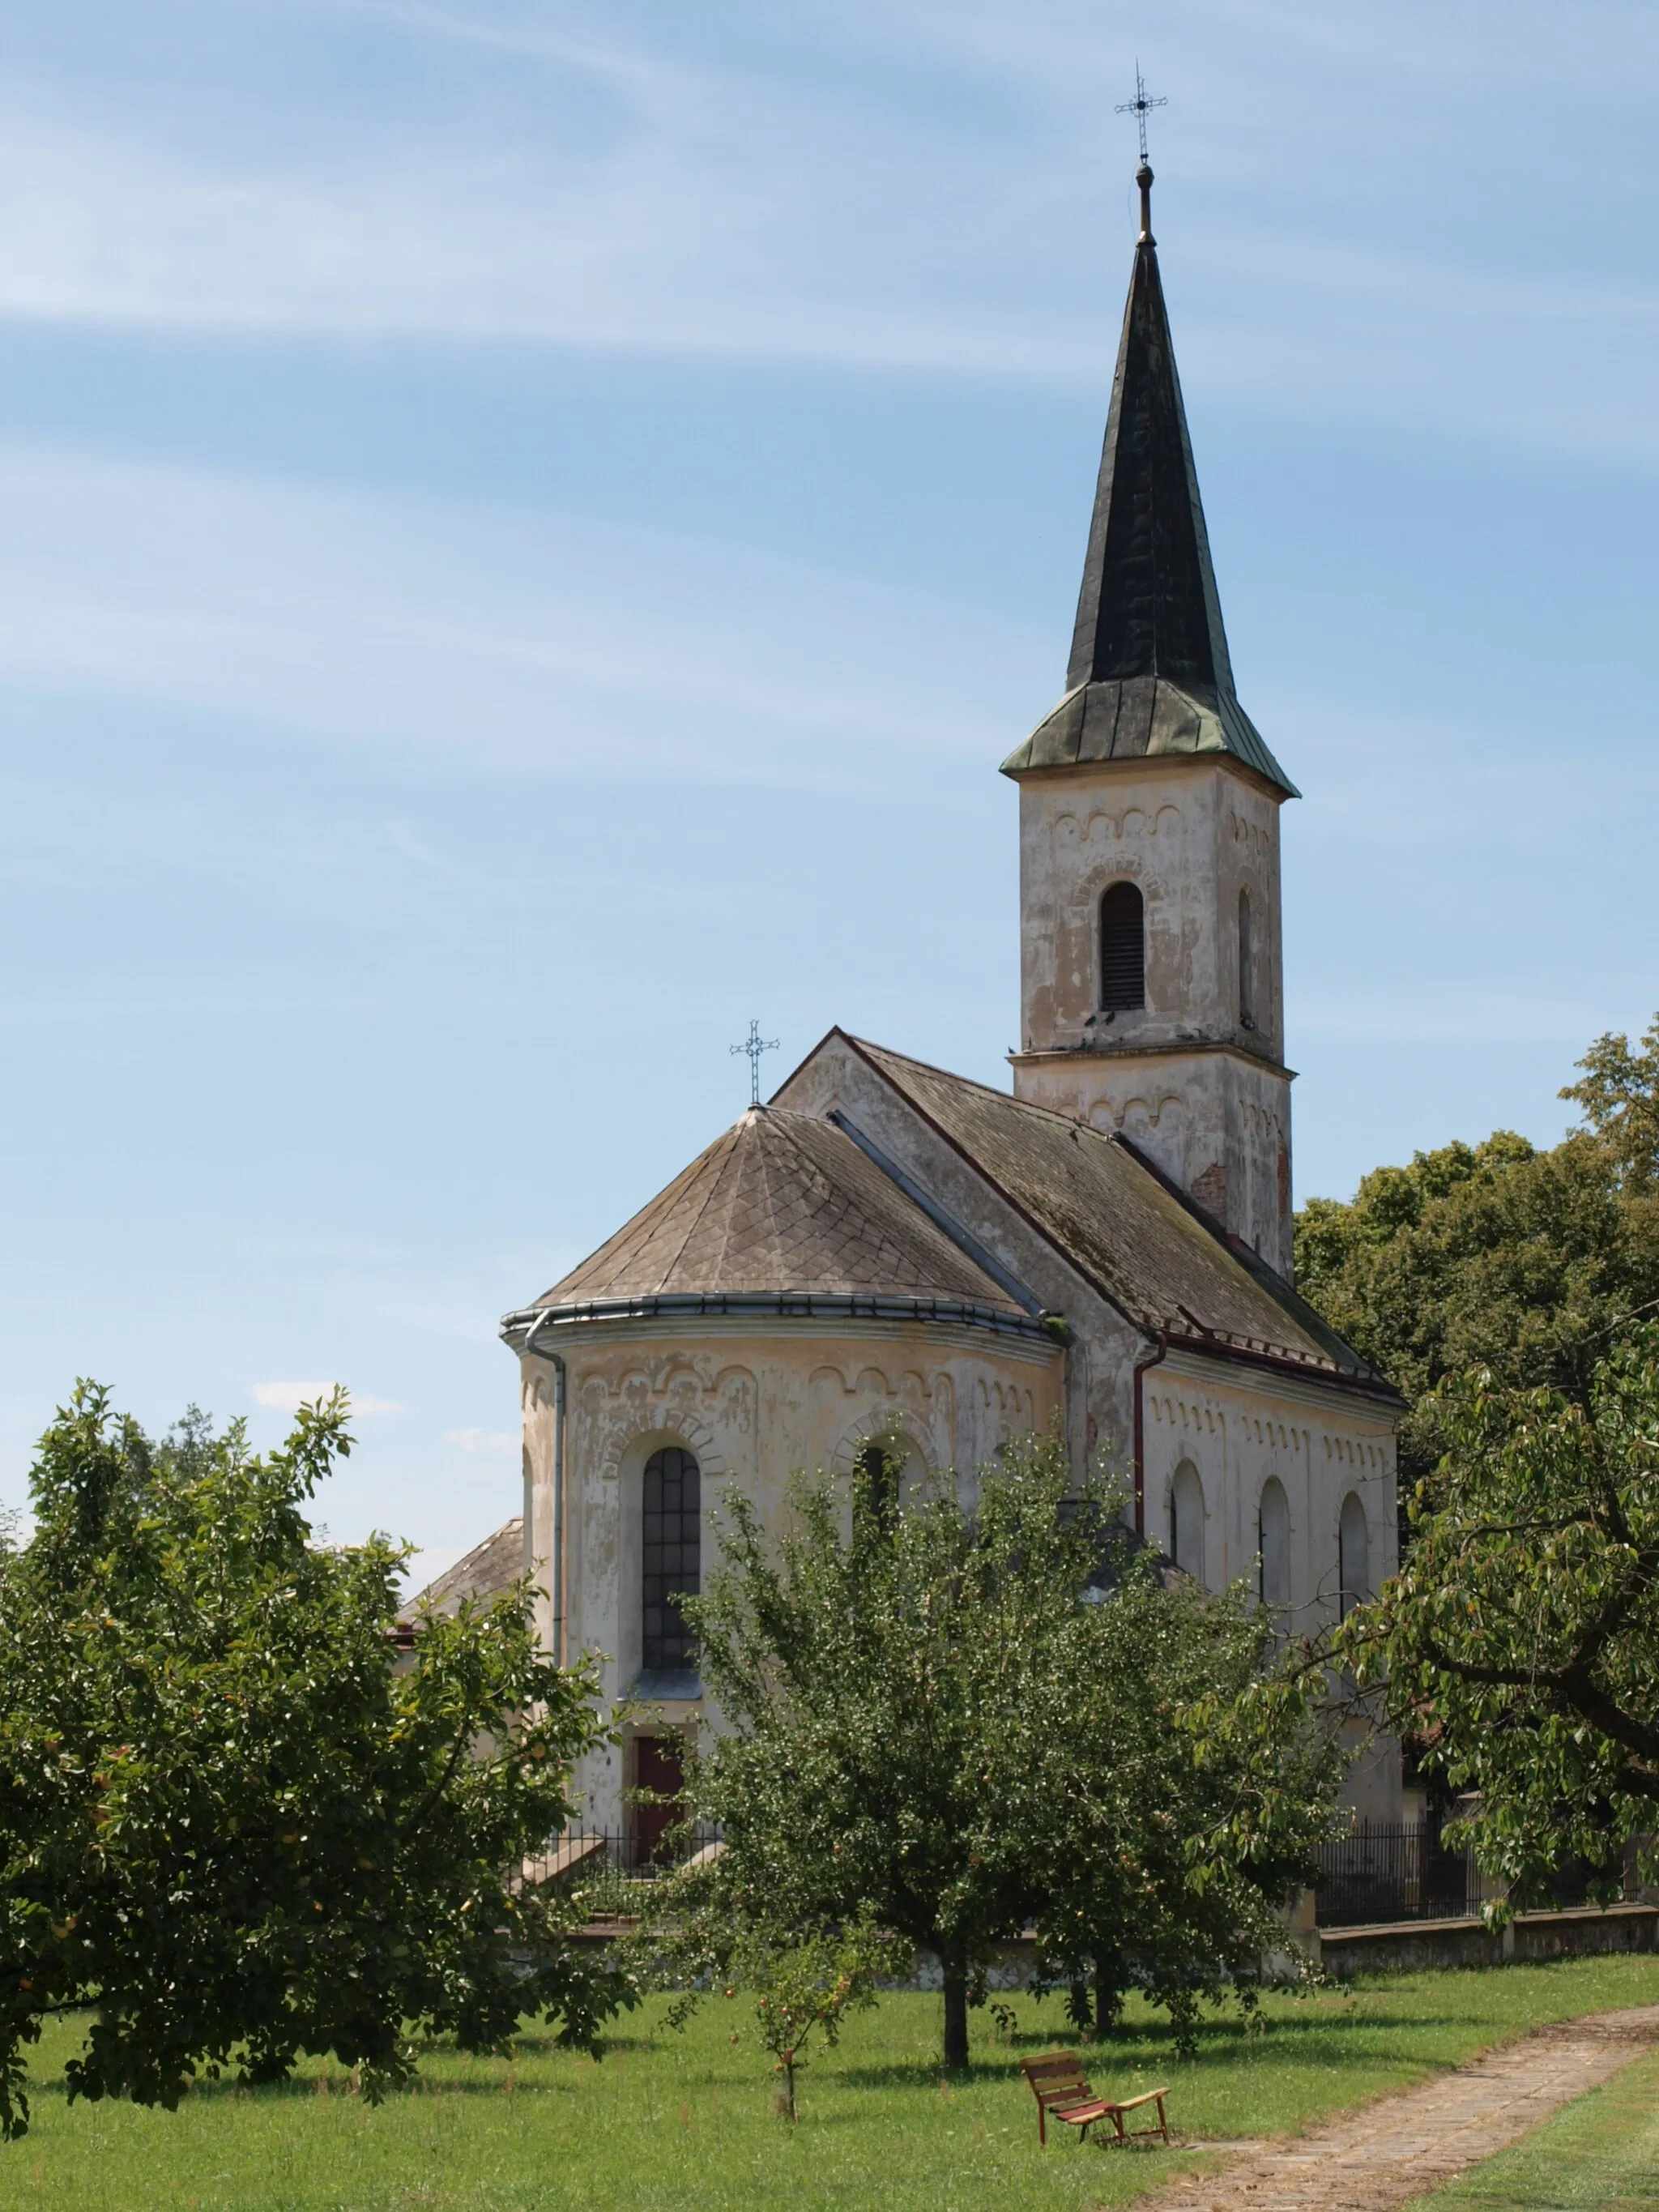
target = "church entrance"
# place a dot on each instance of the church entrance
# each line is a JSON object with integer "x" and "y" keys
{"x": 659, "y": 1766}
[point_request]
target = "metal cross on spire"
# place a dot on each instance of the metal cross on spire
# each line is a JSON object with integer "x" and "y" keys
{"x": 1141, "y": 106}
{"x": 753, "y": 1046}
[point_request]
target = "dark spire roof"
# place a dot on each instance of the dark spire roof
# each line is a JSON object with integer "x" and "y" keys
{"x": 1149, "y": 672}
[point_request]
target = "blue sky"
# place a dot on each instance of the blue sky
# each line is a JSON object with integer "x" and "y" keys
{"x": 525, "y": 530}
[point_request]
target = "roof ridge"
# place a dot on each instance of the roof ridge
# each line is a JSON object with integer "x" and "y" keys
{"x": 789, "y": 1137}
{"x": 728, "y": 1138}
{"x": 973, "y": 1083}
{"x": 1298, "y": 1338}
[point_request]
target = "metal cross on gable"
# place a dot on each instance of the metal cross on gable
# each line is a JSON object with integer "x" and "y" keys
{"x": 1141, "y": 106}
{"x": 753, "y": 1046}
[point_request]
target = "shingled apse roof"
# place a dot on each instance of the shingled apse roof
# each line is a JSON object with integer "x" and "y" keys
{"x": 784, "y": 1207}
{"x": 1150, "y": 672}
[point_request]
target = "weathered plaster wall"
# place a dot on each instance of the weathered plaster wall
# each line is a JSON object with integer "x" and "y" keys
{"x": 753, "y": 1407}
{"x": 1205, "y": 1092}
{"x": 1234, "y": 1427}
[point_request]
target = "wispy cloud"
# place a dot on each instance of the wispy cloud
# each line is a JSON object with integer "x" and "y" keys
{"x": 481, "y": 1440}
{"x": 913, "y": 188}
{"x": 288, "y": 1397}
{"x": 502, "y": 640}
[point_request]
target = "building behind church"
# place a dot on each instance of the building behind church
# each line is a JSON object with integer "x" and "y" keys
{"x": 886, "y": 1251}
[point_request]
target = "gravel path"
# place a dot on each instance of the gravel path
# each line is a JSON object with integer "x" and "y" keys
{"x": 1400, "y": 2147}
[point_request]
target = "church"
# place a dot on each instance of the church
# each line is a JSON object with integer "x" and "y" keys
{"x": 886, "y": 1254}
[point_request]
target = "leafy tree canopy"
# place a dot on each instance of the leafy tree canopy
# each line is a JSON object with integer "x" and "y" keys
{"x": 1499, "y": 1255}
{"x": 962, "y": 1722}
{"x": 230, "y": 1819}
{"x": 1521, "y": 1638}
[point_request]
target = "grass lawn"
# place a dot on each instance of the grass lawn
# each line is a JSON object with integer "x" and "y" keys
{"x": 1602, "y": 2153}
{"x": 686, "y": 2121}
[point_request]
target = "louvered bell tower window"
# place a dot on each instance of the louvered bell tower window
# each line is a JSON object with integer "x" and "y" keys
{"x": 673, "y": 1558}
{"x": 1122, "y": 950}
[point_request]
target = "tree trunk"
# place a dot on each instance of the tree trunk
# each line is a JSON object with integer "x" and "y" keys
{"x": 956, "y": 2015}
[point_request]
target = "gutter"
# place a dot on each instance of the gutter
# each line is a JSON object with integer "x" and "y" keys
{"x": 1140, "y": 1368}
{"x": 794, "y": 1305}
{"x": 556, "y": 1562}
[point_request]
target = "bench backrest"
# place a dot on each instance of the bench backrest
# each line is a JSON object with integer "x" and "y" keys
{"x": 1055, "y": 2075}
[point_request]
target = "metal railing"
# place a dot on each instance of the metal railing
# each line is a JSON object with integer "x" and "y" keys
{"x": 1397, "y": 1870}
{"x": 584, "y": 1857}
{"x": 1385, "y": 1872}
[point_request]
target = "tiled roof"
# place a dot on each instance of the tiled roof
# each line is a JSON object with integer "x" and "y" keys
{"x": 1145, "y": 1247}
{"x": 488, "y": 1570}
{"x": 783, "y": 1203}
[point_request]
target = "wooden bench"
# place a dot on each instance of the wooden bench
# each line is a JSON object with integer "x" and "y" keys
{"x": 1058, "y": 2085}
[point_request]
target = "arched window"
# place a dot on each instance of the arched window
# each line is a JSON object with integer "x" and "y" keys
{"x": 671, "y": 1557}
{"x": 1186, "y": 1519}
{"x": 881, "y": 1462}
{"x": 1353, "y": 1556}
{"x": 1246, "y": 964}
{"x": 1122, "y": 950}
{"x": 1273, "y": 1539}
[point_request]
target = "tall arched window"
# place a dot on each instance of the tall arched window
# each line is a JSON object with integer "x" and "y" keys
{"x": 1186, "y": 1519}
{"x": 671, "y": 1558}
{"x": 1274, "y": 1543}
{"x": 1353, "y": 1556}
{"x": 1122, "y": 950}
{"x": 1246, "y": 964}
{"x": 881, "y": 1462}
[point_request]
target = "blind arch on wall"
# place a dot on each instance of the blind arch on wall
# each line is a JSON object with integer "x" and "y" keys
{"x": 670, "y": 1557}
{"x": 1186, "y": 1519}
{"x": 1353, "y": 1559}
{"x": 1273, "y": 1544}
{"x": 1246, "y": 962}
{"x": 1123, "y": 949}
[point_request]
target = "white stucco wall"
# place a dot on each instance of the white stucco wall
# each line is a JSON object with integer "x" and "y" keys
{"x": 1236, "y": 1426}
{"x": 754, "y": 1408}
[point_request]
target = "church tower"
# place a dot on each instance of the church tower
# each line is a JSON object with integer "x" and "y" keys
{"x": 1151, "y": 992}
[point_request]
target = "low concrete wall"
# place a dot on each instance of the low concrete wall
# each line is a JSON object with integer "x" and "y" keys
{"x": 1393, "y": 1948}
{"x": 1402, "y": 1946}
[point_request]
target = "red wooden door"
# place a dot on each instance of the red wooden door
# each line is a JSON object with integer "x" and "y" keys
{"x": 658, "y": 1764}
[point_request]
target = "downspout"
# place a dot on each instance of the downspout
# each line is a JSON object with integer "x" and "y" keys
{"x": 1141, "y": 1366}
{"x": 556, "y": 1562}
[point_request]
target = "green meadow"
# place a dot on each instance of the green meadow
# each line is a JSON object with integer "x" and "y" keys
{"x": 686, "y": 2120}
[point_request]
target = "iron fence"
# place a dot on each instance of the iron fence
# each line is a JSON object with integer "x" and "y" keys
{"x": 1400, "y": 1870}
{"x": 1405, "y": 1871}
{"x": 591, "y": 1858}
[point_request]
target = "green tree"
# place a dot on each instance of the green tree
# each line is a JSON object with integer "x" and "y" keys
{"x": 1174, "y": 1775}
{"x": 1521, "y": 1638}
{"x": 804, "y": 1981}
{"x": 947, "y": 1719}
{"x": 1499, "y": 1255}
{"x": 1619, "y": 1096}
{"x": 230, "y": 1821}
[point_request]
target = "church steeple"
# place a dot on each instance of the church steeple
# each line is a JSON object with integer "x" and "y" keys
{"x": 1148, "y": 606}
{"x": 1150, "y": 672}
{"x": 1151, "y": 987}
